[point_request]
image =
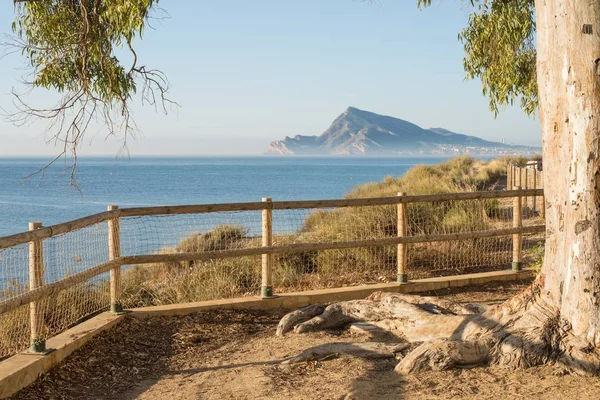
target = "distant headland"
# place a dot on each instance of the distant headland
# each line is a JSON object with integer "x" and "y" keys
{"x": 358, "y": 132}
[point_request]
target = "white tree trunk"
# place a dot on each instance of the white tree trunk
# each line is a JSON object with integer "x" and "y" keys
{"x": 568, "y": 57}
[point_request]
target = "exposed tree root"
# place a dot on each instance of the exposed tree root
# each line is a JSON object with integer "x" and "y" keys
{"x": 524, "y": 331}
{"x": 363, "y": 350}
{"x": 439, "y": 355}
{"x": 290, "y": 320}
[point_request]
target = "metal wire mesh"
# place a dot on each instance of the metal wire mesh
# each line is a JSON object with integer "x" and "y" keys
{"x": 334, "y": 268}
{"x": 189, "y": 232}
{"x": 76, "y": 251}
{"x": 14, "y": 331}
{"x": 62, "y": 256}
{"x": 14, "y": 271}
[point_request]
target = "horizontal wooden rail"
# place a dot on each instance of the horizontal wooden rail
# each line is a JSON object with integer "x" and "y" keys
{"x": 72, "y": 280}
{"x": 46, "y": 232}
{"x": 49, "y": 231}
{"x": 302, "y": 204}
{"x": 427, "y": 198}
{"x": 191, "y": 209}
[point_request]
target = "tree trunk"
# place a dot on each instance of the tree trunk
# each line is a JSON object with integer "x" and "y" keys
{"x": 568, "y": 56}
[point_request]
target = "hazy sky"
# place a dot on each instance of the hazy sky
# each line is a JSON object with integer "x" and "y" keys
{"x": 248, "y": 72}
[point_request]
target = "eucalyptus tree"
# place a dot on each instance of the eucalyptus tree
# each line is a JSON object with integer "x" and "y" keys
{"x": 544, "y": 54}
{"x": 84, "y": 51}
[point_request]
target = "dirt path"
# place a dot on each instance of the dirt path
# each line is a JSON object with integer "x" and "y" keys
{"x": 234, "y": 354}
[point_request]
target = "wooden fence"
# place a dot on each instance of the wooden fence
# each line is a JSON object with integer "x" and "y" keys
{"x": 527, "y": 176}
{"x": 39, "y": 290}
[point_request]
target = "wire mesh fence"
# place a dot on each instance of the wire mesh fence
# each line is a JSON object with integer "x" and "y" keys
{"x": 59, "y": 257}
{"x": 313, "y": 247}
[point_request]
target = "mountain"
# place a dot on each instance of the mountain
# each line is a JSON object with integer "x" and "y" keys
{"x": 362, "y": 132}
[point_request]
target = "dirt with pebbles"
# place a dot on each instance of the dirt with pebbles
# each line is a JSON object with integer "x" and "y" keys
{"x": 228, "y": 354}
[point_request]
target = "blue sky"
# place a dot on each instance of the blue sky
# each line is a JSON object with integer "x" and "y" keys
{"x": 248, "y": 72}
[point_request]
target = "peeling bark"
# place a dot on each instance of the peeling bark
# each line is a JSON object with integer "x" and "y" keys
{"x": 569, "y": 98}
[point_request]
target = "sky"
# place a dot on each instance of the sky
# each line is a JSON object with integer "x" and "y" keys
{"x": 249, "y": 72}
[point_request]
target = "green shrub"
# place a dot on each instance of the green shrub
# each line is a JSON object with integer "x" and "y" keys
{"x": 220, "y": 238}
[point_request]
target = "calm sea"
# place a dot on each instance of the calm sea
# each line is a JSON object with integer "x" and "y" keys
{"x": 168, "y": 181}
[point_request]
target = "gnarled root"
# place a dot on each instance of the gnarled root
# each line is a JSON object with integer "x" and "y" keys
{"x": 524, "y": 331}
{"x": 295, "y": 317}
{"x": 411, "y": 317}
{"x": 443, "y": 354}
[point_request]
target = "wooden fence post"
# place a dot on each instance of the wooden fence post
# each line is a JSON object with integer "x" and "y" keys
{"x": 526, "y": 199}
{"x": 517, "y": 237}
{"x": 114, "y": 252}
{"x": 542, "y": 197}
{"x": 402, "y": 276}
{"x": 509, "y": 175}
{"x": 36, "y": 280}
{"x": 514, "y": 177}
{"x": 267, "y": 241}
{"x": 535, "y": 186}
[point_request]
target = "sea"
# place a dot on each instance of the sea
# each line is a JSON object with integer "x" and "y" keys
{"x": 152, "y": 181}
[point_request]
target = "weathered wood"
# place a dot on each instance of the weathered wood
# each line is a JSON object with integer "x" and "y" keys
{"x": 520, "y": 183}
{"x": 283, "y": 205}
{"x": 535, "y": 183}
{"x": 509, "y": 175}
{"x": 191, "y": 209}
{"x": 267, "y": 241}
{"x": 293, "y": 318}
{"x": 369, "y": 350}
{"x": 434, "y": 305}
{"x": 402, "y": 255}
{"x": 49, "y": 231}
{"x": 306, "y": 204}
{"x": 36, "y": 280}
{"x": 542, "y": 199}
{"x": 517, "y": 332}
{"x": 114, "y": 252}
{"x": 526, "y": 186}
{"x": 43, "y": 233}
{"x": 402, "y": 315}
{"x": 517, "y": 236}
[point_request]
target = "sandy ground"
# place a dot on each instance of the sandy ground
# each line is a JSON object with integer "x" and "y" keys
{"x": 234, "y": 355}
